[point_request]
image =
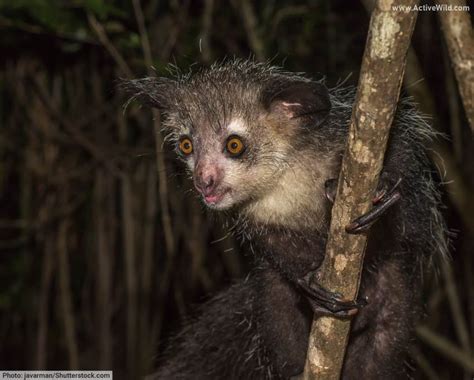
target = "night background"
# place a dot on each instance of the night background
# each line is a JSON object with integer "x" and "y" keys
{"x": 103, "y": 247}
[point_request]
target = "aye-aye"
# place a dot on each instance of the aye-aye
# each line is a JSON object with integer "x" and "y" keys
{"x": 265, "y": 145}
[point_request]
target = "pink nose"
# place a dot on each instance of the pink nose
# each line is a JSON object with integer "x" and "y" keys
{"x": 206, "y": 179}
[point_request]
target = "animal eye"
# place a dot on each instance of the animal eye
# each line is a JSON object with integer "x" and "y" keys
{"x": 234, "y": 145}
{"x": 186, "y": 146}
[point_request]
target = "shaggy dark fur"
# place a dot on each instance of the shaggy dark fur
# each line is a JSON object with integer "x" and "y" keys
{"x": 258, "y": 328}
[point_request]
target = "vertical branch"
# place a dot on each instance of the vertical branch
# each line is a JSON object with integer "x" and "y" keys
{"x": 47, "y": 269}
{"x": 457, "y": 28}
{"x": 251, "y": 27}
{"x": 422, "y": 95}
{"x": 128, "y": 226}
{"x": 455, "y": 305}
{"x": 64, "y": 271}
{"x": 160, "y": 159}
{"x": 65, "y": 296}
{"x": 161, "y": 172}
{"x": 128, "y": 222}
{"x": 103, "y": 225}
{"x": 455, "y": 109}
{"x": 163, "y": 188}
{"x": 379, "y": 87}
{"x": 44, "y": 156}
{"x": 148, "y": 234}
{"x": 459, "y": 190}
{"x": 205, "y": 35}
{"x": 104, "y": 269}
{"x": 105, "y": 41}
{"x": 137, "y": 8}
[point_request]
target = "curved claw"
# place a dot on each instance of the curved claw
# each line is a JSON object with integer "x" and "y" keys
{"x": 364, "y": 222}
{"x": 330, "y": 188}
{"x": 325, "y": 302}
{"x": 384, "y": 189}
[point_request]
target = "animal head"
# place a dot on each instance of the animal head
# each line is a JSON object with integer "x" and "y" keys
{"x": 237, "y": 125}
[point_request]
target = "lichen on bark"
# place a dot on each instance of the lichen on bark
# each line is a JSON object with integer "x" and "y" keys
{"x": 378, "y": 91}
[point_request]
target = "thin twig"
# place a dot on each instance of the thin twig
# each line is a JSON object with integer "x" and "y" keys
{"x": 104, "y": 39}
{"x": 161, "y": 165}
{"x": 424, "y": 365}
{"x": 205, "y": 35}
{"x": 65, "y": 295}
{"x": 130, "y": 257}
{"x": 460, "y": 324}
{"x": 445, "y": 347}
{"x": 81, "y": 139}
{"x": 251, "y": 27}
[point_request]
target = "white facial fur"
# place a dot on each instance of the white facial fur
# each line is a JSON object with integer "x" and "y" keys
{"x": 237, "y": 126}
{"x": 289, "y": 192}
{"x": 298, "y": 199}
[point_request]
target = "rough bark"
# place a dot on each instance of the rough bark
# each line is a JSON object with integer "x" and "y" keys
{"x": 379, "y": 87}
{"x": 457, "y": 28}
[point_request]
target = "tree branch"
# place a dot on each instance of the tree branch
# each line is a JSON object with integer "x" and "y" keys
{"x": 379, "y": 87}
{"x": 457, "y": 28}
{"x": 251, "y": 27}
{"x": 448, "y": 349}
{"x": 105, "y": 41}
{"x": 159, "y": 142}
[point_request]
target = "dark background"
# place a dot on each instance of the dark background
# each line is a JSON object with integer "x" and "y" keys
{"x": 101, "y": 254}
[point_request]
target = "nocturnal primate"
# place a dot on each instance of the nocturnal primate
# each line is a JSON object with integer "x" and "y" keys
{"x": 265, "y": 146}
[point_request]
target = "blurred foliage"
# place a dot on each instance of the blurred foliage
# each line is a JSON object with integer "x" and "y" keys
{"x": 83, "y": 241}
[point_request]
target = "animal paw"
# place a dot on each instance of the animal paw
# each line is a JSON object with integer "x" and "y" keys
{"x": 325, "y": 302}
{"x": 386, "y": 196}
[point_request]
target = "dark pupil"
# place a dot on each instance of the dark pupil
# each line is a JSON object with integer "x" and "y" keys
{"x": 186, "y": 146}
{"x": 234, "y": 145}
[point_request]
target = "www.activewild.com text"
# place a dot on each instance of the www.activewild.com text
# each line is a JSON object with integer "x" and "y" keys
{"x": 432, "y": 8}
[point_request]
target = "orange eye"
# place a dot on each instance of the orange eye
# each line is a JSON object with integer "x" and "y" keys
{"x": 234, "y": 145}
{"x": 186, "y": 146}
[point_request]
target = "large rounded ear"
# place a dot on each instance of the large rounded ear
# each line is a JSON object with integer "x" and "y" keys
{"x": 298, "y": 99}
{"x": 152, "y": 92}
